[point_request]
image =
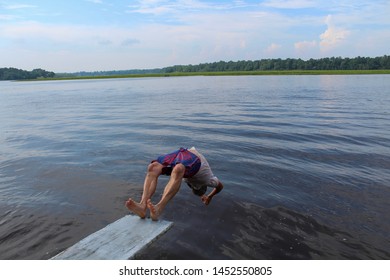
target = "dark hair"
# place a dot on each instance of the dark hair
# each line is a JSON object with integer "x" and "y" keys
{"x": 200, "y": 192}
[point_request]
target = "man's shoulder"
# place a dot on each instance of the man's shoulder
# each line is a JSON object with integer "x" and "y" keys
{"x": 214, "y": 181}
{"x": 193, "y": 150}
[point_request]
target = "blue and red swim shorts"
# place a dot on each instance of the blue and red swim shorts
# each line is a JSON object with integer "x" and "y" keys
{"x": 183, "y": 156}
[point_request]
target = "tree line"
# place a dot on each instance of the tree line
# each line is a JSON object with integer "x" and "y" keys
{"x": 18, "y": 74}
{"x": 330, "y": 63}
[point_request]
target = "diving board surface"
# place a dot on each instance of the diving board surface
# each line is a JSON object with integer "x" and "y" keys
{"x": 120, "y": 240}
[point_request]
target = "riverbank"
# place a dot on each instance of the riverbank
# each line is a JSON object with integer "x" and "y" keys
{"x": 228, "y": 73}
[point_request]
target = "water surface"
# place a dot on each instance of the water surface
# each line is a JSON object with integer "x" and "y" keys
{"x": 305, "y": 162}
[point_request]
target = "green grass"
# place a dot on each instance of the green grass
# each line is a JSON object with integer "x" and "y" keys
{"x": 231, "y": 73}
{"x": 283, "y": 72}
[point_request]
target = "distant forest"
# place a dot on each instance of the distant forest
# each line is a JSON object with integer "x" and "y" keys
{"x": 18, "y": 74}
{"x": 330, "y": 63}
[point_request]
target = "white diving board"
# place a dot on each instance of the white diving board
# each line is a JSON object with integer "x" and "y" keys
{"x": 120, "y": 240}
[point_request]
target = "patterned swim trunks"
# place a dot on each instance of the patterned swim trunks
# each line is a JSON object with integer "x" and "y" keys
{"x": 190, "y": 161}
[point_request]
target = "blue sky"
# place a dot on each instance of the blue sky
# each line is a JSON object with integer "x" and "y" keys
{"x": 97, "y": 35}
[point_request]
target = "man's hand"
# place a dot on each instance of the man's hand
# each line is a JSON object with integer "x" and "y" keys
{"x": 206, "y": 199}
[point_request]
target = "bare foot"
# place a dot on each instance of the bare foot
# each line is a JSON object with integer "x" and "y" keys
{"x": 136, "y": 208}
{"x": 154, "y": 211}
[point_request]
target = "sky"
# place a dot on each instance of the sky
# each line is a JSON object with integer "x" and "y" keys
{"x": 102, "y": 35}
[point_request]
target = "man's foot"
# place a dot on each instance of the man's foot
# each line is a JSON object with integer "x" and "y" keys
{"x": 136, "y": 208}
{"x": 154, "y": 211}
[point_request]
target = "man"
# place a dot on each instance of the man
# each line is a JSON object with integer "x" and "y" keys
{"x": 183, "y": 163}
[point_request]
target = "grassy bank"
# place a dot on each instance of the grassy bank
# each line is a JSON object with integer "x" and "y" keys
{"x": 231, "y": 73}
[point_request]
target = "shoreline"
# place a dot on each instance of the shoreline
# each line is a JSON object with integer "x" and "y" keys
{"x": 224, "y": 73}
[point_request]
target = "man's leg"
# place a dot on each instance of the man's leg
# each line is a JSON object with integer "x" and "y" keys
{"x": 150, "y": 184}
{"x": 170, "y": 191}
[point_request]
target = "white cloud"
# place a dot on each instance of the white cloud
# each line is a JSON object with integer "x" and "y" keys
{"x": 130, "y": 42}
{"x": 289, "y": 4}
{"x": 305, "y": 45}
{"x": 273, "y": 49}
{"x": 95, "y": 1}
{"x": 7, "y": 17}
{"x": 189, "y": 32}
{"x": 65, "y": 34}
{"x": 104, "y": 42}
{"x": 153, "y": 10}
{"x": 205, "y": 37}
{"x": 306, "y": 49}
{"x": 333, "y": 36}
{"x": 39, "y": 31}
{"x": 19, "y": 6}
{"x": 158, "y": 7}
{"x": 181, "y": 7}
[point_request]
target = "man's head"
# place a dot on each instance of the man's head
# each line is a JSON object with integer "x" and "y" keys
{"x": 199, "y": 192}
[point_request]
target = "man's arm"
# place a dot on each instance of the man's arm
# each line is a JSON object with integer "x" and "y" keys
{"x": 207, "y": 198}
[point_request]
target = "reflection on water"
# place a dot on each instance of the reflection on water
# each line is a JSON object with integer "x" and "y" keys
{"x": 249, "y": 231}
{"x": 305, "y": 161}
{"x": 63, "y": 206}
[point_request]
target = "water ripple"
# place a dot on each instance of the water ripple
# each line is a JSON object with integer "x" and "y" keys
{"x": 305, "y": 162}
